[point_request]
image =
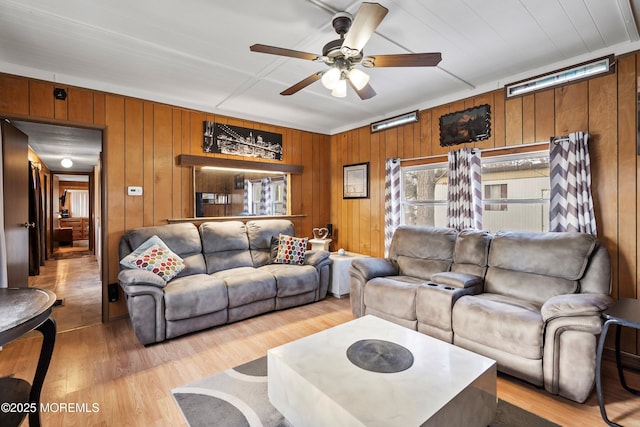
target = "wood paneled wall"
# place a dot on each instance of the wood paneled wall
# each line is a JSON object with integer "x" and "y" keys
{"x": 605, "y": 106}
{"x": 141, "y": 140}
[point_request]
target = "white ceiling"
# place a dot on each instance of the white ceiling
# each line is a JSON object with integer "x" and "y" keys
{"x": 195, "y": 53}
{"x": 54, "y": 143}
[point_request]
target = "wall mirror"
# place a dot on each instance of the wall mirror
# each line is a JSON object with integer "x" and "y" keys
{"x": 224, "y": 192}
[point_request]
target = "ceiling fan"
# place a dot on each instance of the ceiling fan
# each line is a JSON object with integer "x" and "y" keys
{"x": 344, "y": 54}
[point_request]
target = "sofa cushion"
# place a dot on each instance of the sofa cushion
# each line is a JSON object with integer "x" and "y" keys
{"x": 501, "y": 322}
{"x": 293, "y": 279}
{"x": 260, "y": 232}
{"x": 225, "y": 245}
{"x": 247, "y": 284}
{"x": 291, "y": 249}
{"x": 422, "y": 268}
{"x": 417, "y": 259}
{"x": 536, "y": 288}
{"x": 564, "y": 255}
{"x": 154, "y": 256}
{"x": 183, "y": 239}
{"x": 395, "y": 295}
{"x": 192, "y": 296}
{"x": 471, "y": 252}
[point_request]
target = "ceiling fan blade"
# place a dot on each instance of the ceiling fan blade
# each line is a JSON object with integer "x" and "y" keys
{"x": 403, "y": 60}
{"x": 302, "y": 84}
{"x": 263, "y": 48}
{"x": 364, "y": 93}
{"x": 364, "y": 24}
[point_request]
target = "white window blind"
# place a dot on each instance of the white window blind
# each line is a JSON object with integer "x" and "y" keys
{"x": 79, "y": 203}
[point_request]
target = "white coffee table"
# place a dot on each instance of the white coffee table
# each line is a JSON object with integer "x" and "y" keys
{"x": 313, "y": 383}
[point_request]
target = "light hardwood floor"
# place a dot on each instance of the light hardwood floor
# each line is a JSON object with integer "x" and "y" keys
{"x": 76, "y": 281}
{"x": 105, "y": 364}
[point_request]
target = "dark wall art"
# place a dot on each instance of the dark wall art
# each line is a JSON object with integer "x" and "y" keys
{"x": 473, "y": 124}
{"x": 227, "y": 139}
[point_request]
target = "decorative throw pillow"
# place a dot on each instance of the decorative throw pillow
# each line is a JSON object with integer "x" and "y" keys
{"x": 291, "y": 249}
{"x": 155, "y": 256}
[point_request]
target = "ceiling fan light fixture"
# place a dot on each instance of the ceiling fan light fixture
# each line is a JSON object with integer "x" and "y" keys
{"x": 358, "y": 78}
{"x": 331, "y": 78}
{"x": 66, "y": 162}
{"x": 340, "y": 91}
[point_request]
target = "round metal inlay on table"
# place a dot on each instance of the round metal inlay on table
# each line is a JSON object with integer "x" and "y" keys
{"x": 380, "y": 356}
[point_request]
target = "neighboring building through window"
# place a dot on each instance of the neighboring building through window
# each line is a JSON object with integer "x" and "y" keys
{"x": 515, "y": 196}
{"x": 495, "y": 192}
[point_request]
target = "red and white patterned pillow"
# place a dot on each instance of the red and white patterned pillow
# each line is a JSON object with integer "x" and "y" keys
{"x": 155, "y": 256}
{"x": 291, "y": 249}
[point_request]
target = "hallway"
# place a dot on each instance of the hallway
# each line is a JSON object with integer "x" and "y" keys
{"x": 75, "y": 281}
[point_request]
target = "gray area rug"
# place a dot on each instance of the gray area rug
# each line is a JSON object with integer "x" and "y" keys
{"x": 238, "y": 397}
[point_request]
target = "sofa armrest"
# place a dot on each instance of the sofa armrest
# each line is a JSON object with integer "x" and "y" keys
{"x": 315, "y": 257}
{"x": 133, "y": 277}
{"x": 361, "y": 271}
{"x": 570, "y": 305}
{"x": 456, "y": 280}
{"x": 369, "y": 268}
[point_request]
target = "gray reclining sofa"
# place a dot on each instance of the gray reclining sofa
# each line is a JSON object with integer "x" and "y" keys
{"x": 228, "y": 276}
{"x": 530, "y": 301}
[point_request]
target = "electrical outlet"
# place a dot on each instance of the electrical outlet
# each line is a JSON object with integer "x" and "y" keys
{"x": 134, "y": 191}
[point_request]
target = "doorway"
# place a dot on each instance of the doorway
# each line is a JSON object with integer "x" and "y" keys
{"x": 69, "y": 160}
{"x": 71, "y": 213}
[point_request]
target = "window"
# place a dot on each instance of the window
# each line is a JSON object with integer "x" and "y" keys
{"x": 493, "y": 192}
{"x": 79, "y": 203}
{"x": 424, "y": 195}
{"x": 274, "y": 196}
{"x": 516, "y": 192}
{"x": 515, "y": 196}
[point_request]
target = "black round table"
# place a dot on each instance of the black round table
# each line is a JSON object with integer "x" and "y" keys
{"x": 625, "y": 312}
{"x": 23, "y": 310}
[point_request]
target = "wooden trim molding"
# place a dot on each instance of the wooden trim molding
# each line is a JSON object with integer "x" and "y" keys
{"x": 199, "y": 220}
{"x": 191, "y": 160}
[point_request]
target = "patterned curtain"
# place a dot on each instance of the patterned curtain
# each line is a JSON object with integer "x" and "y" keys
{"x": 464, "y": 194}
{"x": 266, "y": 201}
{"x": 284, "y": 194}
{"x": 247, "y": 188}
{"x": 571, "y": 205}
{"x": 391, "y": 201}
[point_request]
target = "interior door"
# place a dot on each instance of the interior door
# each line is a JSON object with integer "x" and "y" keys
{"x": 15, "y": 176}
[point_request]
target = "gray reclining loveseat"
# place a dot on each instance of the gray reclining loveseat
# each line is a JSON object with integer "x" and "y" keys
{"x": 229, "y": 275}
{"x": 530, "y": 301}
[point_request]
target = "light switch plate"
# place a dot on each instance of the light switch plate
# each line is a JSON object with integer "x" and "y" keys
{"x": 134, "y": 191}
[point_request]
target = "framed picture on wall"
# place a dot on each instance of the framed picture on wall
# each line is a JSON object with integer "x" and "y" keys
{"x": 356, "y": 181}
{"x": 472, "y": 124}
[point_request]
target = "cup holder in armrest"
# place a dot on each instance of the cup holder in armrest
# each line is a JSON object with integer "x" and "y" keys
{"x": 436, "y": 285}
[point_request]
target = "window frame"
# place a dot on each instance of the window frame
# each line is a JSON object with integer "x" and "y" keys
{"x": 489, "y": 156}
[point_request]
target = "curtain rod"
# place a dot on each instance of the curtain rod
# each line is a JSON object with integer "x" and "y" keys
{"x": 533, "y": 144}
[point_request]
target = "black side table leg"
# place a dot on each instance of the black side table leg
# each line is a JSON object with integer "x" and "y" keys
{"x": 603, "y": 336}
{"x": 619, "y": 364}
{"x": 48, "y": 330}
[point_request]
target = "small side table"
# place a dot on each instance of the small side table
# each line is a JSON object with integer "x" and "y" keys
{"x": 319, "y": 244}
{"x": 340, "y": 281}
{"x": 22, "y": 310}
{"x": 625, "y": 312}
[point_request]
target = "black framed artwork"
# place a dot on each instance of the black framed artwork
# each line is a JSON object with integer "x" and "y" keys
{"x": 226, "y": 139}
{"x": 356, "y": 181}
{"x": 472, "y": 124}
